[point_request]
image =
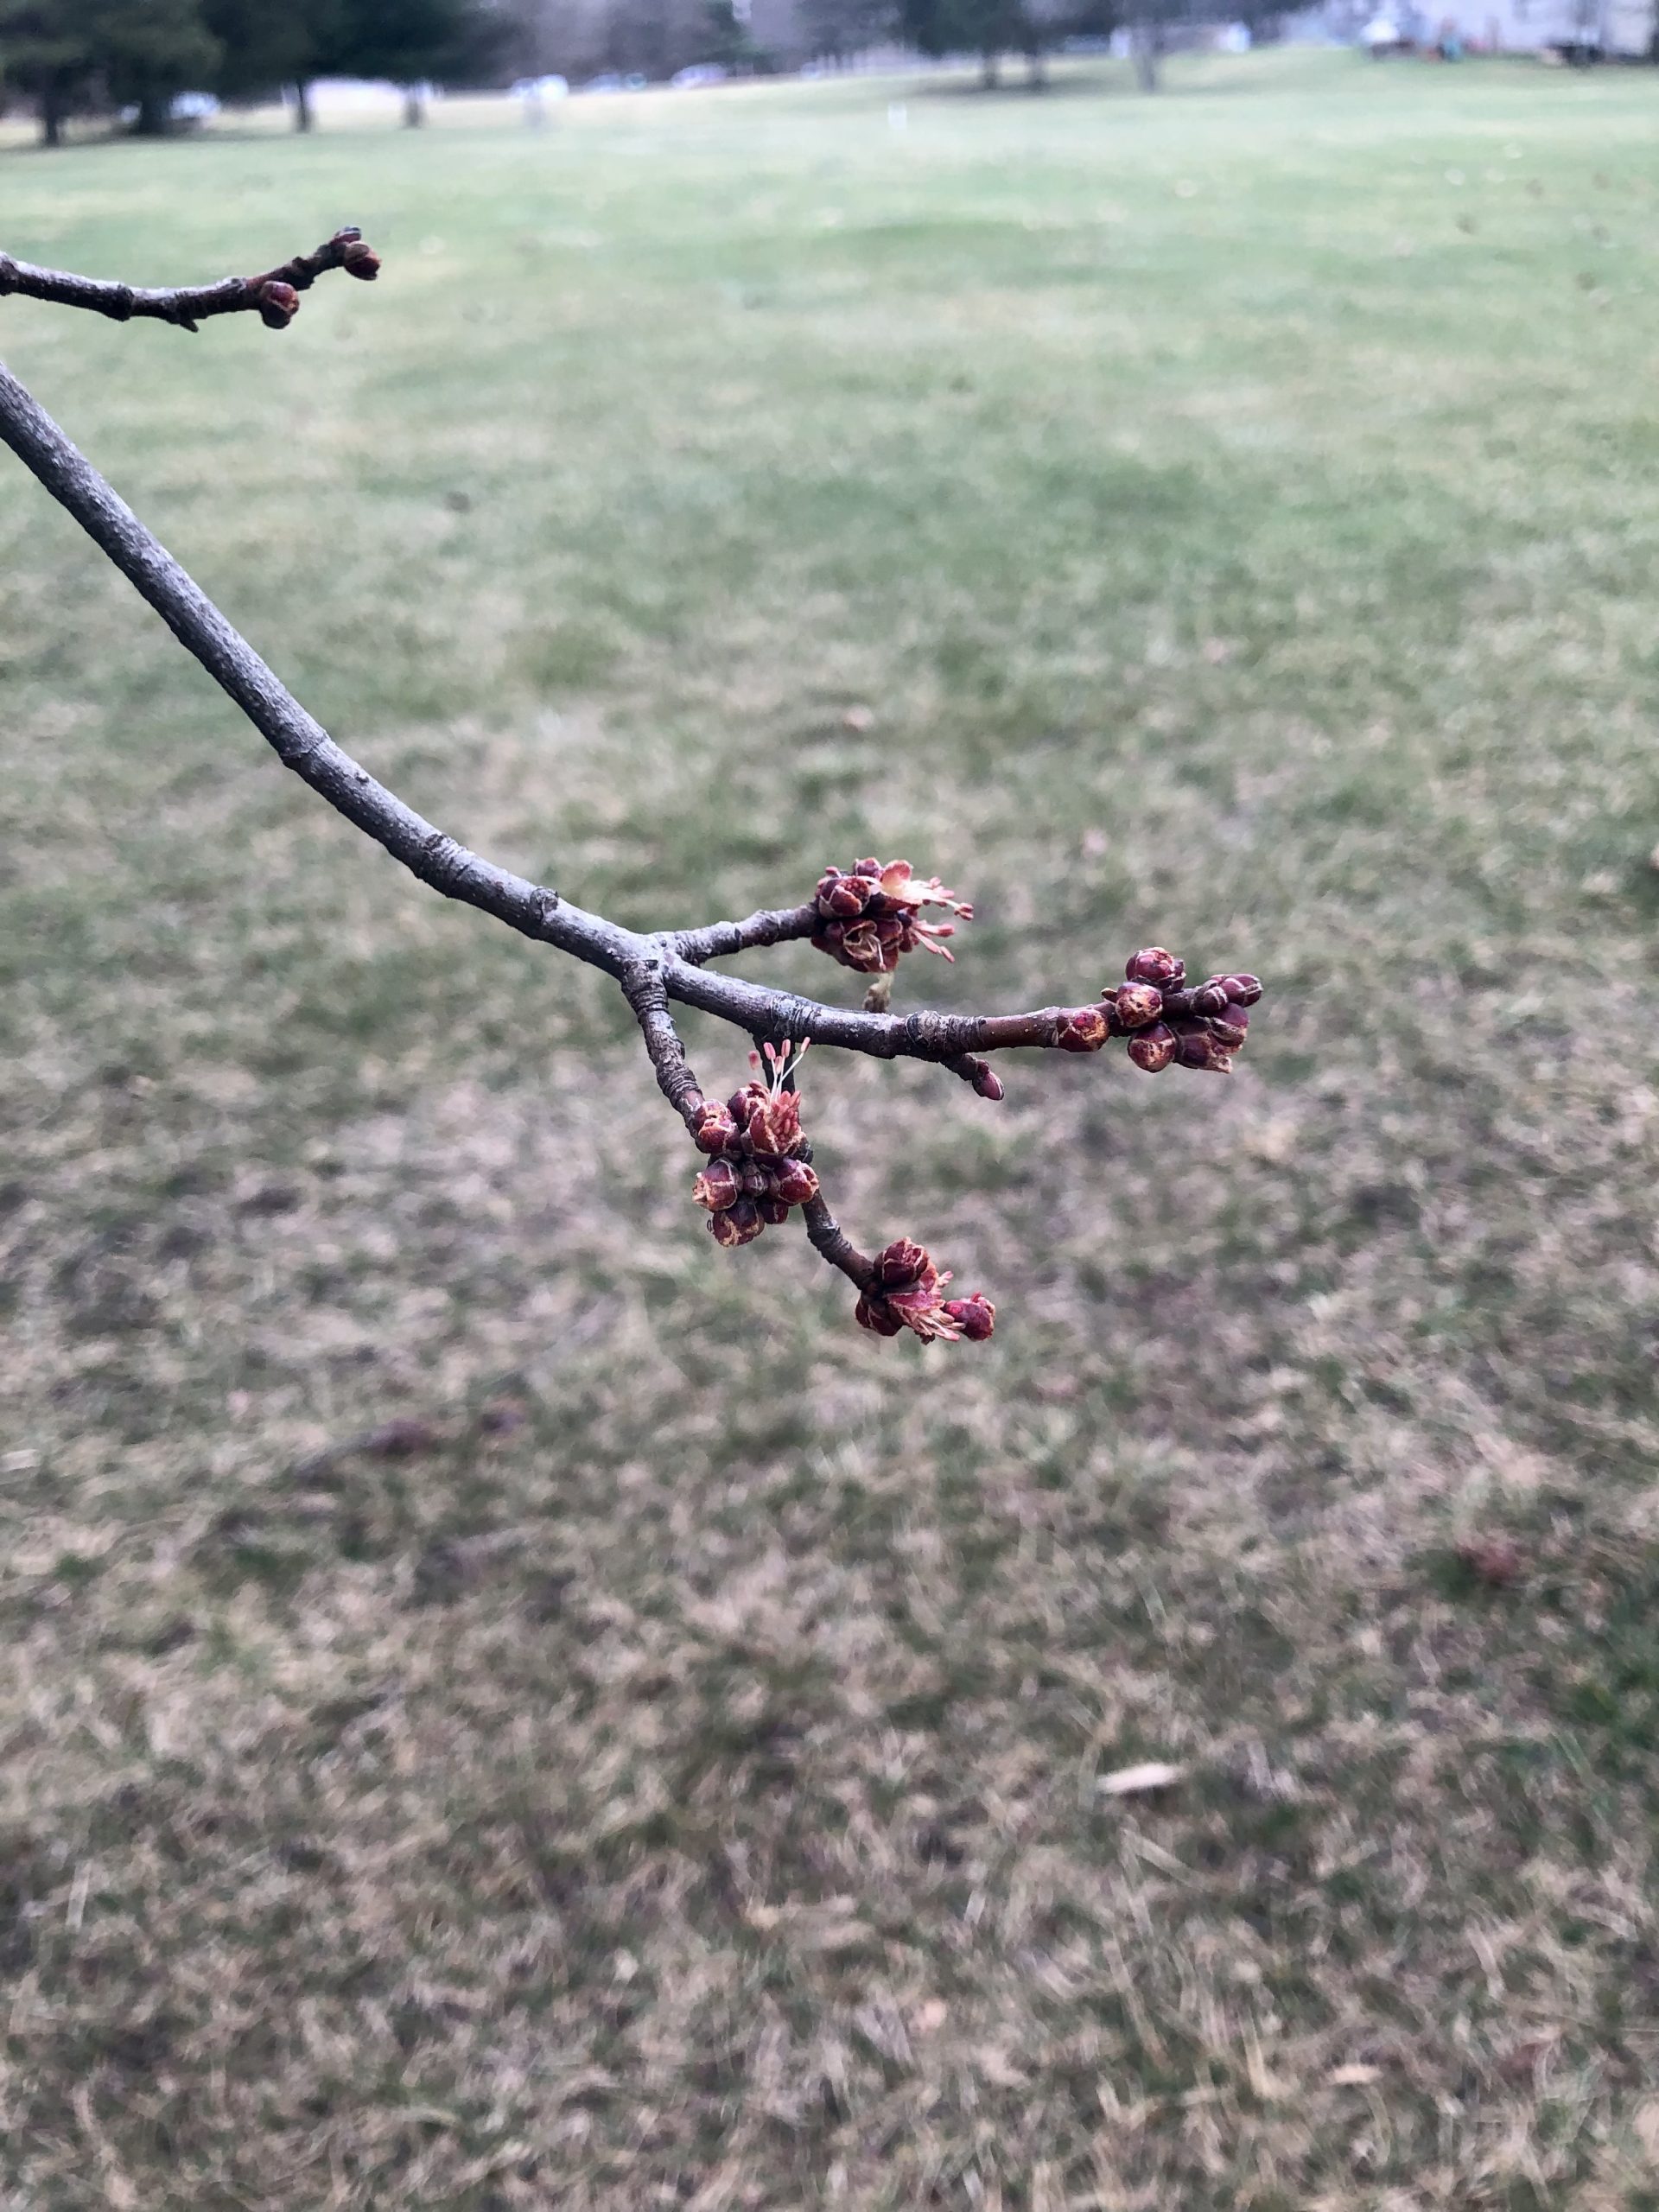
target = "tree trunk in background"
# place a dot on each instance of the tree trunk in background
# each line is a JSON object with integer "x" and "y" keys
{"x": 302, "y": 117}
{"x": 152, "y": 117}
{"x": 988, "y": 71}
{"x": 1144, "y": 44}
{"x": 1037, "y": 70}
{"x": 51, "y": 120}
{"x": 414, "y": 109}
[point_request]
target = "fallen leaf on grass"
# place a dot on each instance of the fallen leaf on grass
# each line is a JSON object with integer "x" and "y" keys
{"x": 1129, "y": 1780}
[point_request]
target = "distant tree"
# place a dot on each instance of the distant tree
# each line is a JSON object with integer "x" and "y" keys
{"x": 147, "y": 50}
{"x": 266, "y": 48}
{"x": 991, "y": 28}
{"x": 834, "y": 29}
{"x": 47, "y": 53}
{"x": 67, "y": 54}
{"x": 412, "y": 41}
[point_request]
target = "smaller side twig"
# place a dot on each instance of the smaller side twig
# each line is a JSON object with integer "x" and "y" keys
{"x": 642, "y": 986}
{"x": 274, "y": 297}
{"x": 828, "y": 1239}
{"x": 771, "y": 926}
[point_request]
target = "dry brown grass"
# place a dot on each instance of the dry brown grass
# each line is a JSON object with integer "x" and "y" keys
{"x": 667, "y": 1772}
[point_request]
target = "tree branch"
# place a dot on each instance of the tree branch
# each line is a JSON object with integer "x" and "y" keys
{"x": 274, "y": 297}
{"x": 720, "y": 940}
{"x": 759, "y": 1162}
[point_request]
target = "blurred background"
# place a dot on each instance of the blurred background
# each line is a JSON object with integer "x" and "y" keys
{"x": 507, "y": 1705}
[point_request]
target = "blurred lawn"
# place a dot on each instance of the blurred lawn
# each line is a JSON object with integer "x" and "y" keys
{"x": 674, "y": 1780}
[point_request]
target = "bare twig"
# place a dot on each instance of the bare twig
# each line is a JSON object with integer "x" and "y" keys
{"x": 274, "y": 297}
{"x": 899, "y": 1287}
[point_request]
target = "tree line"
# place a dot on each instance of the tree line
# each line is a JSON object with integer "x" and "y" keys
{"x": 78, "y": 57}
{"x": 69, "y": 58}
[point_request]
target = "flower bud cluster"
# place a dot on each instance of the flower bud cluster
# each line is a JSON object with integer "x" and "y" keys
{"x": 870, "y": 915}
{"x": 757, "y": 1168}
{"x": 908, "y": 1293}
{"x": 1166, "y": 1020}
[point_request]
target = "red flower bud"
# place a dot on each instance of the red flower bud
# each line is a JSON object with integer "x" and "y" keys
{"x": 1082, "y": 1029}
{"x": 844, "y": 898}
{"x": 874, "y": 1313}
{"x": 278, "y": 303}
{"x": 797, "y": 1184}
{"x": 975, "y": 1316}
{"x": 740, "y": 1104}
{"x": 1209, "y": 997}
{"x": 1155, "y": 1048}
{"x": 989, "y": 1084}
{"x": 1245, "y": 989}
{"x": 756, "y": 1179}
{"x": 1154, "y": 965}
{"x": 1200, "y": 1050}
{"x": 358, "y": 259}
{"x": 903, "y": 1263}
{"x": 1230, "y": 1026}
{"x": 715, "y": 1131}
{"x": 738, "y": 1224}
{"x": 773, "y": 1211}
{"x": 867, "y": 868}
{"x": 1137, "y": 1005}
{"x": 718, "y": 1186}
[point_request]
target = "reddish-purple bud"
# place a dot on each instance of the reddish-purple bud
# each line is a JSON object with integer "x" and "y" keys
{"x": 773, "y": 1211}
{"x": 278, "y": 303}
{"x": 797, "y": 1184}
{"x": 1231, "y": 1025}
{"x": 1200, "y": 1050}
{"x": 756, "y": 1179}
{"x": 989, "y": 1084}
{"x": 716, "y": 1130}
{"x": 1153, "y": 1049}
{"x": 845, "y": 897}
{"x": 1245, "y": 989}
{"x": 867, "y": 868}
{"x": 903, "y": 1263}
{"x": 975, "y": 1316}
{"x": 718, "y": 1186}
{"x": 1209, "y": 997}
{"x": 1082, "y": 1029}
{"x": 739, "y": 1224}
{"x": 1154, "y": 965}
{"x": 1138, "y": 1005}
{"x": 359, "y": 259}
{"x": 872, "y": 1313}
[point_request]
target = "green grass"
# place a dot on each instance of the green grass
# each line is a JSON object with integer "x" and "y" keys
{"x": 676, "y": 1782}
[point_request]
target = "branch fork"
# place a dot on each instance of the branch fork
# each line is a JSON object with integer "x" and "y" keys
{"x": 758, "y": 1163}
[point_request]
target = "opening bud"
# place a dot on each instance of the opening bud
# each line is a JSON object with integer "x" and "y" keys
{"x": 975, "y": 1316}
{"x": 1155, "y": 1048}
{"x": 903, "y": 1263}
{"x": 716, "y": 1131}
{"x": 1244, "y": 990}
{"x": 796, "y": 1183}
{"x": 739, "y": 1224}
{"x": 278, "y": 303}
{"x": 1155, "y": 966}
{"x": 874, "y": 1313}
{"x": 1082, "y": 1029}
{"x": 719, "y": 1185}
{"x": 1200, "y": 1050}
{"x": 1137, "y": 1005}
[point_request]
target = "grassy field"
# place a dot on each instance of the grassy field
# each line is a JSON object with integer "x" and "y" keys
{"x": 671, "y": 1778}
